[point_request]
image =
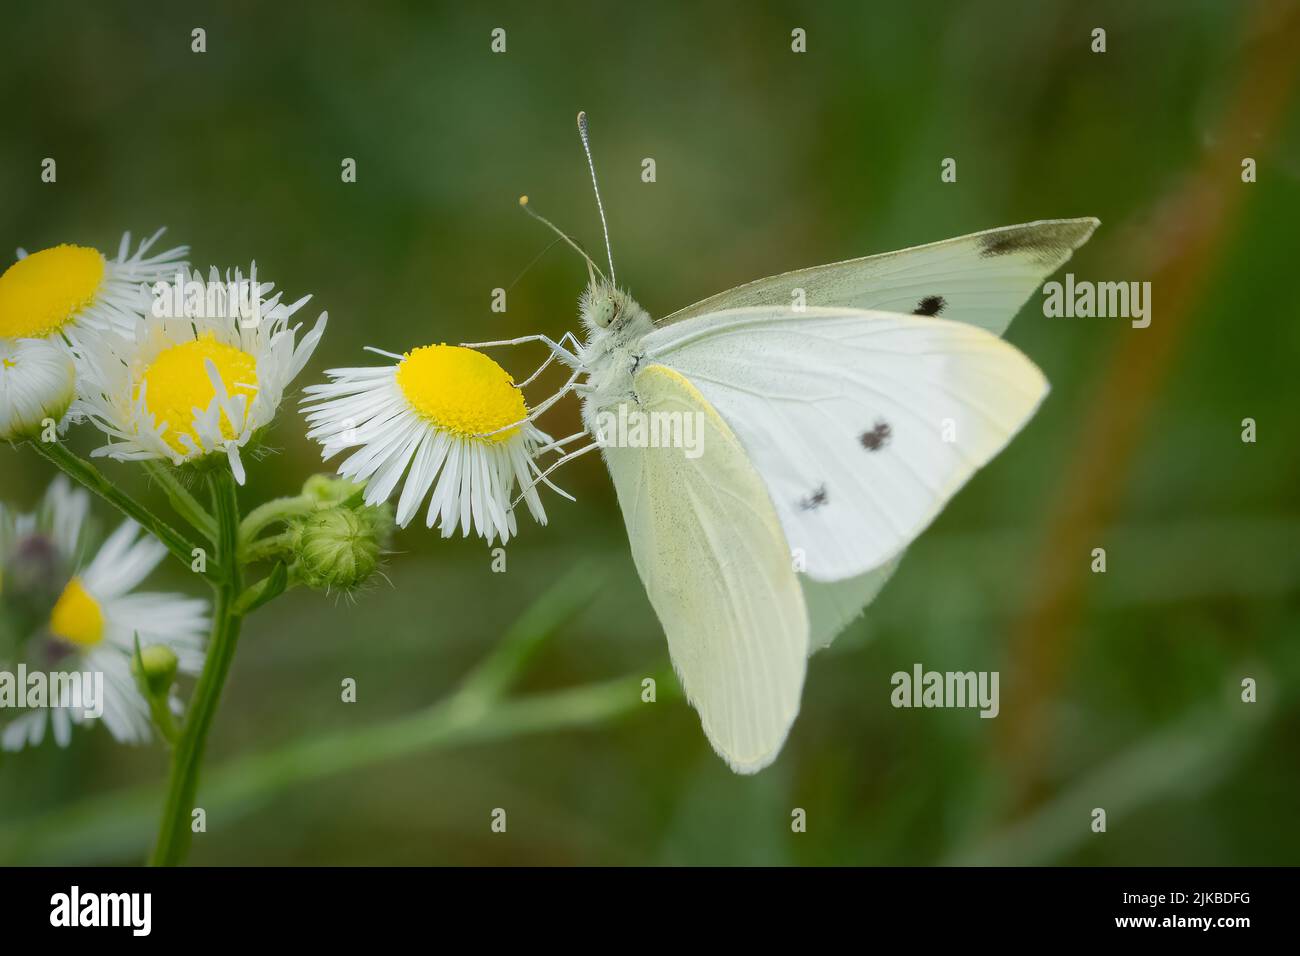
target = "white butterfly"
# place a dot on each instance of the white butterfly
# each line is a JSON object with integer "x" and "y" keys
{"x": 833, "y": 434}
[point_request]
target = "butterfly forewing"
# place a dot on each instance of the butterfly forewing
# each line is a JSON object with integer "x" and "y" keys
{"x": 862, "y": 424}
{"x": 982, "y": 279}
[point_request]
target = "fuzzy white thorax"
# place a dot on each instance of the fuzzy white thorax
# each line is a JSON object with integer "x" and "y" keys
{"x": 615, "y": 326}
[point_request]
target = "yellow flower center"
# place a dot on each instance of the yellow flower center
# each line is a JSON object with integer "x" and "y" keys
{"x": 461, "y": 391}
{"x": 77, "y": 617}
{"x": 41, "y": 294}
{"x": 177, "y": 383}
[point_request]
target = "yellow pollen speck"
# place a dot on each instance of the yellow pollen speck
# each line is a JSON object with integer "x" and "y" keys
{"x": 177, "y": 383}
{"x": 76, "y": 616}
{"x": 39, "y": 295}
{"x": 461, "y": 391}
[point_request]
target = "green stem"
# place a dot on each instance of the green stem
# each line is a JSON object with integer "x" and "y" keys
{"x": 92, "y": 479}
{"x": 494, "y": 675}
{"x": 446, "y": 724}
{"x": 163, "y": 718}
{"x": 186, "y": 505}
{"x": 183, "y": 782}
{"x": 266, "y": 549}
{"x": 267, "y": 514}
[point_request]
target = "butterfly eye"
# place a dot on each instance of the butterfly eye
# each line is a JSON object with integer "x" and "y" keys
{"x": 605, "y": 313}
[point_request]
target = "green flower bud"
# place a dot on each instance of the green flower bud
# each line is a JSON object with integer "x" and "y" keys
{"x": 339, "y": 548}
{"x": 159, "y": 668}
{"x": 380, "y": 521}
{"x": 328, "y": 490}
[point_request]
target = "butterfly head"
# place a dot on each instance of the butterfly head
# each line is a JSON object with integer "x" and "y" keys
{"x": 604, "y": 306}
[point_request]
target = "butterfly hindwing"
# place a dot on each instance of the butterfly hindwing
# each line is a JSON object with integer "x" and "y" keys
{"x": 709, "y": 548}
{"x": 834, "y": 605}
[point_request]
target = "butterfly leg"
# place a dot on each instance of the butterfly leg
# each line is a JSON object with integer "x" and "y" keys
{"x": 557, "y": 349}
{"x": 541, "y": 477}
{"x": 560, "y": 443}
{"x": 577, "y": 346}
{"x": 540, "y": 369}
{"x": 539, "y": 410}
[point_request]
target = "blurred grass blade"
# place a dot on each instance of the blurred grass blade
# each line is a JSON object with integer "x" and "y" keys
{"x": 117, "y": 825}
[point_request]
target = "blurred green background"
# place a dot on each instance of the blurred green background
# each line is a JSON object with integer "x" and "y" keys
{"x": 1118, "y": 690}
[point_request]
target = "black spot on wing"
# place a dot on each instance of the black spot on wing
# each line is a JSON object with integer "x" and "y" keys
{"x": 1047, "y": 243}
{"x": 815, "y": 500}
{"x": 930, "y": 305}
{"x": 878, "y": 437}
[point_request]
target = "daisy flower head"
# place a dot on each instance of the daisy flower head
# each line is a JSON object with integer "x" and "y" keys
{"x": 94, "y": 618}
{"x": 67, "y": 291}
{"x": 448, "y": 418}
{"x": 38, "y": 382}
{"x": 183, "y": 387}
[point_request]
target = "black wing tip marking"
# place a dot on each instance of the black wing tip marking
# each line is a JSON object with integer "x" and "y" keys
{"x": 1047, "y": 242}
{"x": 930, "y": 305}
{"x": 878, "y": 437}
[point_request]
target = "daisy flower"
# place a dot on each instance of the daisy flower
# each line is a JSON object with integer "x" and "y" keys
{"x": 94, "y": 621}
{"x": 67, "y": 290}
{"x": 182, "y": 388}
{"x": 37, "y": 382}
{"x": 440, "y": 417}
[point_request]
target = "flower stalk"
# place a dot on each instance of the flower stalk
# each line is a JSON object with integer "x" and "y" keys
{"x": 183, "y": 780}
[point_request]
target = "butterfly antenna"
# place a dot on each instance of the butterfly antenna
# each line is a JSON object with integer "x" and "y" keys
{"x": 536, "y": 259}
{"x": 600, "y": 206}
{"x": 523, "y": 204}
